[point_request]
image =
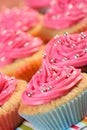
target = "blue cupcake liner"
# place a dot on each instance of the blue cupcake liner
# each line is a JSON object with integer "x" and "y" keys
{"x": 62, "y": 117}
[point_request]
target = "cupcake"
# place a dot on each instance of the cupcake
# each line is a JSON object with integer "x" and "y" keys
{"x": 24, "y": 19}
{"x": 67, "y": 50}
{"x": 41, "y": 6}
{"x": 20, "y": 54}
{"x": 64, "y": 16}
{"x": 10, "y": 96}
{"x": 55, "y": 99}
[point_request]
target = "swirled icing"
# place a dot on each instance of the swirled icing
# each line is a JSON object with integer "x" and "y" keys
{"x": 22, "y": 19}
{"x": 50, "y": 84}
{"x": 67, "y": 50}
{"x": 17, "y": 44}
{"x": 7, "y": 87}
{"x": 65, "y": 13}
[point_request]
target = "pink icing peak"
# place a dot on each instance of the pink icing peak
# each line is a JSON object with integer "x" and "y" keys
{"x": 67, "y": 50}
{"x": 17, "y": 44}
{"x": 7, "y": 87}
{"x": 65, "y": 13}
{"x": 21, "y": 19}
{"x": 49, "y": 84}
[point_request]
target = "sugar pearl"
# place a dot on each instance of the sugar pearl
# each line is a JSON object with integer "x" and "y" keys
{"x": 76, "y": 56}
{"x": 29, "y": 94}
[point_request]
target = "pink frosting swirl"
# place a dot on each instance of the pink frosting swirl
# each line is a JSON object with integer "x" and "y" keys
{"x": 49, "y": 84}
{"x": 17, "y": 44}
{"x": 7, "y": 87}
{"x": 22, "y": 19}
{"x": 67, "y": 50}
{"x": 65, "y": 13}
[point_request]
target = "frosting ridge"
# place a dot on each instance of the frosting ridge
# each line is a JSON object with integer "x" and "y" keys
{"x": 7, "y": 87}
{"x": 49, "y": 84}
{"x": 67, "y": 50}
{"x": 21, "y": 19}
{"x": 17, "y": 44}
{"x": 63, "y": 14}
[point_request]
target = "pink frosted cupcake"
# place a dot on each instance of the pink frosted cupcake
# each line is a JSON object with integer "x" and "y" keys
{"x": 64, "y": 16}
{"x": 42, "y": 6}
{"x": 10, "y": 96}
{"x": 67, "y": 50}
{"x": 20, "y": 54}
{"x": 25, "y": 19}
{"x": 55, "y": 99}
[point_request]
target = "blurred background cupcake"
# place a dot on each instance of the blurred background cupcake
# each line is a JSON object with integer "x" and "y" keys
{"x": 64, "y": 16}
{"x": 10, "y": 96}
{"x": 24, "y": 18}
{"x": 20, "y": 53}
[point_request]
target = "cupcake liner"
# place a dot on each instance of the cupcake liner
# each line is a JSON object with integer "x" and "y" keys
{"x": 61, "y": 117}
{"x": 10, "y": 120}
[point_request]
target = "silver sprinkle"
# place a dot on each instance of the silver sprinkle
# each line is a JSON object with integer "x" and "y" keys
{"x": 43, "y": 90}
{"x": 56, "y": 36}
{"x": 52, "y": 60}
{"x": 10, "y": 43}
{"x": 76, "y": 56}
{"x": 64, "y": 59}
{"x": 73, "y": 45}
{"x": 59, "y": 41}
{"x": 68, "y": 75}
{"x": 18, "y": 32}
{"x": 4, "y": 31}
{"x": 29, "y": 94}
{"x": 83, "y": 35}
{"x": 85, "y": 50}
{"x": 69, "y": 67}
{"x": 70, "y": 6}
{"x": 26, "y": 44}
{"x": 65, "y": 33}
{"x": 42, "y": 85}
{"x": 39, "y": 71}
{"x": 49, "y": 88}
{"x": 57, "y": 78}
{"x": 55, "y": 17}
{"x": 12, "y": 78}
{"x": 3, "y": 59}
{"x": 35, "y": 39}
{"x": 51, "y": 68}
{"x": 44, "y": 55}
